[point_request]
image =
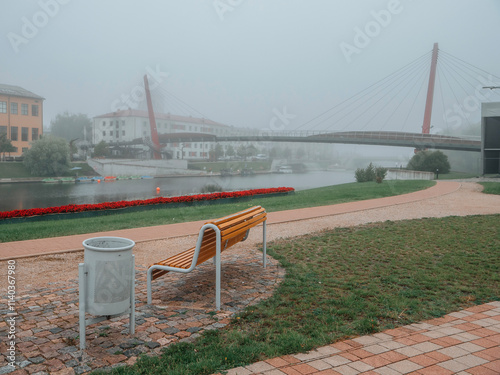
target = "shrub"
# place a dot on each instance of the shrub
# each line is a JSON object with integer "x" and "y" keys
{"x": 211, "y": 188}
{"x": 49, "y": 156}
{"x": 429, "y": 161}
{"x": 370, "y": 173}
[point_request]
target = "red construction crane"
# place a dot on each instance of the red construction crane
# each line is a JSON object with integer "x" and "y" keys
{"x": 152, "y": 122}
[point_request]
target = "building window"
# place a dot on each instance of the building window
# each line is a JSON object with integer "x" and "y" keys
{"x": 13, "y": 108}
{"x": 123, "y": 133}
{"x": 24, "y": 149}
{"x": 34, "y": 110}
{"x": 14, "y": 133}
{"x": 24, "y": 109}
{"x": 3, "y": 107}
{"x": 34, "y": 134}
{"x": 117, "y": 124}
{"x": 104, "y": 123}
{"x": 3, "y": 129}
{"x": 111, "y": 132}
{"x": 24, "y": 134}
{"x": 104, "y": 133}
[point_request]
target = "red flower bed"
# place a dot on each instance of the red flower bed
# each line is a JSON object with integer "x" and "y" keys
{"x": 122, "y": 204}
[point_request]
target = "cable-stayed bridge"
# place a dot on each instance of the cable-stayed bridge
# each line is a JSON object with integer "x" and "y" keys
{"x": 379, "y": 105}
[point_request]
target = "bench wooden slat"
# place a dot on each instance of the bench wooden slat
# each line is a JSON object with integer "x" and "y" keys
{"x": 237, "y": 228}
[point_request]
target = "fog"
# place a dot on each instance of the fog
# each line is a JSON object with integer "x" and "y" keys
{"x": 239, "y": 62}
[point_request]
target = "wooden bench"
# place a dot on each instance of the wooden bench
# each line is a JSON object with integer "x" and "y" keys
{"x": 214, "y": 237}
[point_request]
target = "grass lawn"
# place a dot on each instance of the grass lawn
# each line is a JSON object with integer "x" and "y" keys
{"x": 12, "y": 231}
{"x": 491, "y": 187}
{"x": 350, "y": 282}
{"x": 13, "y": 170}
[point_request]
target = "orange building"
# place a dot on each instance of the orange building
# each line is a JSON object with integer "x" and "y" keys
{"x": 21, "y": 117}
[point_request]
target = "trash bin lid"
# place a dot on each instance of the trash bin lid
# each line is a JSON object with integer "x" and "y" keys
{"x": 108, "y": 244}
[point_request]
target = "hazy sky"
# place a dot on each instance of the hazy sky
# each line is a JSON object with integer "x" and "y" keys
{"x": 253, "y": 63}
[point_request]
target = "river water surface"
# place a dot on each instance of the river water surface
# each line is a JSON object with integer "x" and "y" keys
{"x": 37, "y": 195}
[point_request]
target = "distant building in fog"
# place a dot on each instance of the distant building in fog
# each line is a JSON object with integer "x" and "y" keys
{"x": 21, "y": 117}
{"x": 133, "y": 125}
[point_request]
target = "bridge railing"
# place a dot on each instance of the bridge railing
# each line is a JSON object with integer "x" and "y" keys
{"x": 371, "y": 135}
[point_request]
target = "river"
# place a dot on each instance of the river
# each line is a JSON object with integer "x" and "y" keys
{"x": 37, "y": 195}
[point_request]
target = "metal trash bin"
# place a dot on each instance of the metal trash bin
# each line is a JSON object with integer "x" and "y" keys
{"x": 106, "y": 281}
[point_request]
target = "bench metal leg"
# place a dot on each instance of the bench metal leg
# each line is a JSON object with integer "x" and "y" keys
{"x": 82, "y": 297}
{"x": 217, "y": 273}
{"x": 264, "y": 249}
{"x": 132, "y": 299}
{"x": 149, "y": 278}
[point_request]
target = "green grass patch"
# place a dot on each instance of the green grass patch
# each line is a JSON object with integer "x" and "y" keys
{"x": 350, "y": 282}
{"x": 12, "y": 231}
{"x": 18, "y": 170}
{"x": 13, "y": 170}
{"x": 491, "y": 187}
{"x": 456, "y": 175}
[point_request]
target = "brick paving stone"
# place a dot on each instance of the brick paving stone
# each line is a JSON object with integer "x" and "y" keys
{"x": 435, "y": 370}
{"x": 336, "y": 360}
{"x": 320, "y": 364}
{"x": 304, "y": 368}
{"x": 377, "y": 361}
{"x": 277, "y": 362}
{"x": 290, "y": 371}
{"x": 481, "y": 370}
{"x": 424, "y": 360}
{"x": 346, "y": 370}
{"x": 405, "y": 366}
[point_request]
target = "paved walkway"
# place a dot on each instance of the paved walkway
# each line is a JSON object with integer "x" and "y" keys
{"x": 464, "y": 342}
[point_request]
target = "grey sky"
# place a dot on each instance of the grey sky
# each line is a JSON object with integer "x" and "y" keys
{"x": 236, "y": 61}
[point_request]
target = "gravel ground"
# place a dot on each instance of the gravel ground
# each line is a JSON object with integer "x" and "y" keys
{"x": 468, "y": 200}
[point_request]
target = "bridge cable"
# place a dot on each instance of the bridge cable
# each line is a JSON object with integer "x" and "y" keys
{"x": 357, "y": 94}
{"x": 441, "y": 69}
{"x": 438, "y": 76}
{"x": 376, "y": 91}
{"x": 382, "y": 85}
{"x": 455, "y": 65}
{"x": 404, "y": 81}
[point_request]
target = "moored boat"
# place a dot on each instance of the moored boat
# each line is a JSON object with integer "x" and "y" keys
{"x": 50, "y": 180}
{"x": 83, "y": 179}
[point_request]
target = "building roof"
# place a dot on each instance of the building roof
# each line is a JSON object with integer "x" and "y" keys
{"x": 11, "y": 90}
{"x": 160, "y": 116}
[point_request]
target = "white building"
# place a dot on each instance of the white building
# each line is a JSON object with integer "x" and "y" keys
{"x": 133, "y": 126}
